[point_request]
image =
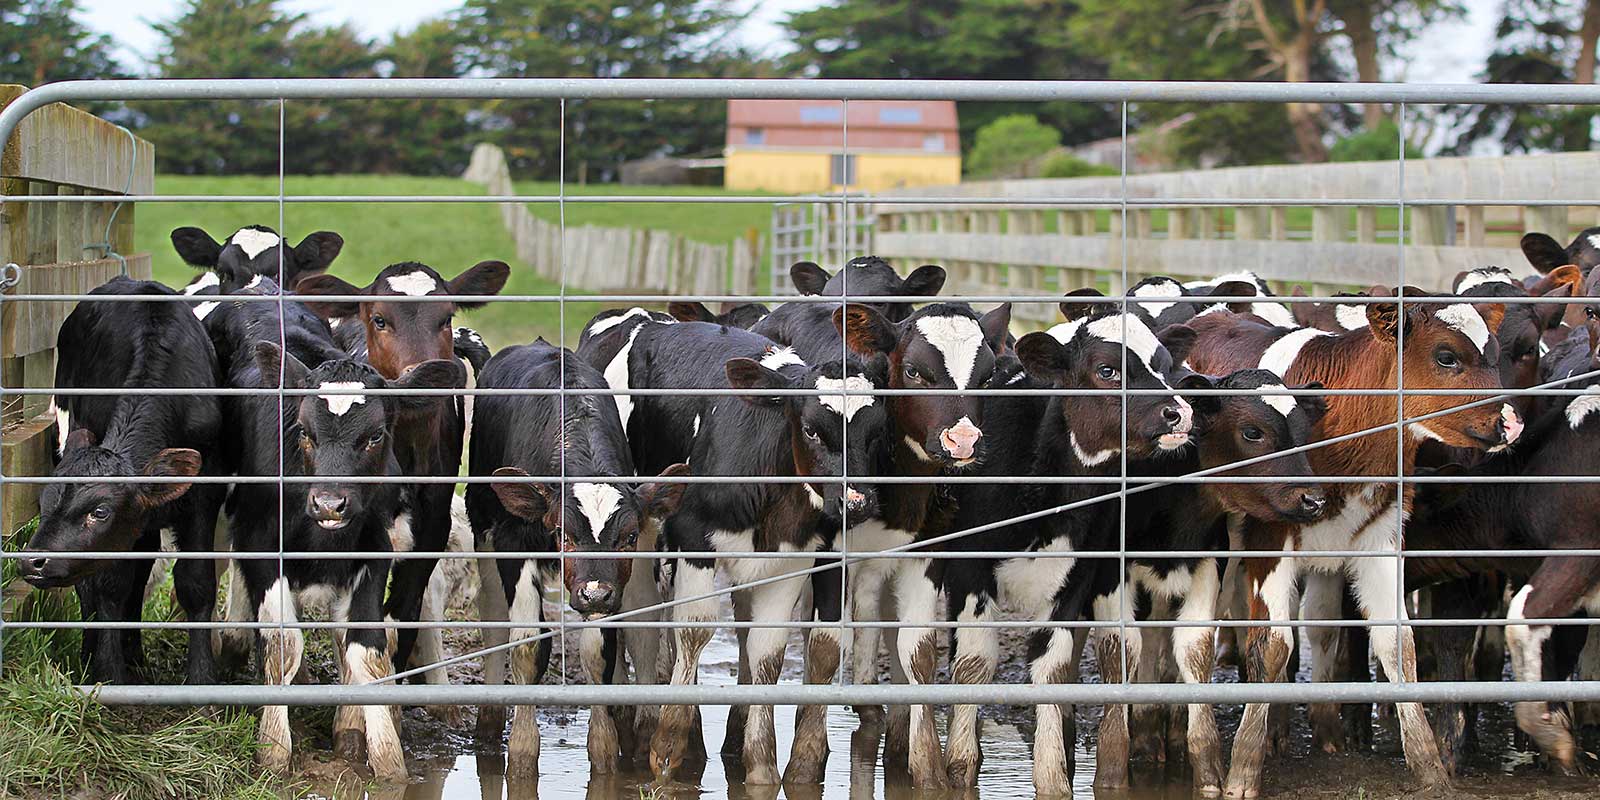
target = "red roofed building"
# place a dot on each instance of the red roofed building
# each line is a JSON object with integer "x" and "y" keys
{"x": 799, "y": 145}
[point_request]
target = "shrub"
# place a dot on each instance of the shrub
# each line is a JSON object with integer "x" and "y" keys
{"x": 1066, "y": 165}
{"x": 1372, "y": 144}
{"x": 1008, "y": 143}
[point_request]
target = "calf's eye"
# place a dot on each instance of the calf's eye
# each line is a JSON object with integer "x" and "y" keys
{"x": 912, "y": 373}
{"x": 1252, "y": 434}
{"x": 810, "y": 433}
{"x": 100, "y": 513}
{"x": 378, "y": 322}
{"x": 374, "y": 440}
{"x": 1447, "y": 359}
{"x": 1106, "y": 372}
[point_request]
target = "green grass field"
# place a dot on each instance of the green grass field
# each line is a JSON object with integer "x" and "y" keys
{"x": 711, "y": 223}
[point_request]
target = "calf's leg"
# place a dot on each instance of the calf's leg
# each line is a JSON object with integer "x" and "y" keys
{"x": 670, "y": 743}
{"x": 1374, "y": 581}
{"x": 1193, "y": 650}
{"x": 918, "y": 651}
{"x": 529, "y": 660}
{"x": 1554, "y": 590}
{"x": 1117, "y": 656}
{"x": 1266, "y": 654}
{"x": 974, "y": 656}
{"x": 808, "y": 757}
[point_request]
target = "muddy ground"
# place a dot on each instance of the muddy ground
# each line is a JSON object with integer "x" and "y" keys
{"x": 447, "y": 762}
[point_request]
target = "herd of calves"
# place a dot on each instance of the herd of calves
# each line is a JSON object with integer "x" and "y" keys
{"x": 797, "y": 401}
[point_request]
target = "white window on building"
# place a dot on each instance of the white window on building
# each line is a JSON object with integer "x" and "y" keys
{"x": 755, "y": 136}
{"x": 933, "y": 142}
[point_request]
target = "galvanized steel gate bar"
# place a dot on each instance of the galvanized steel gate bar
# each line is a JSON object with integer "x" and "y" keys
{"x": 842, "y": 91}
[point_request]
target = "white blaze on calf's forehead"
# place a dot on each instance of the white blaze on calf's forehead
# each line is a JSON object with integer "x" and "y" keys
{"x": 253, "y": 242}
{"x": 598, "y": 502}
{"x": 779, "y": 356}
{"x": 1466, "y": 319}
{"x": 1064, "y": 332}
{"x": 1479, "y": 277}
{"x": 1284, "y": 403}
{"x": 958, "y": 340}
{"x": 845, "y": 405}
{"x": 1280, "y": 357}
{"x": 1158, "y": 289}
{"x": 1350, "y": 317}
{"x": 203, "y": 310}
{"x": 338, "y": 404}
{"x": 1594, "y": 240}
{"x": 1140, "y": 340}
{"x": 415, "y": 284}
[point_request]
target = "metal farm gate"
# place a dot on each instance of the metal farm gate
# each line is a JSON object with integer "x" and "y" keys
{"x": 995, "y": 278}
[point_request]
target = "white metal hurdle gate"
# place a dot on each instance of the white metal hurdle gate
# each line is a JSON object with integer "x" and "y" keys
{"x": 1120, "y": 488}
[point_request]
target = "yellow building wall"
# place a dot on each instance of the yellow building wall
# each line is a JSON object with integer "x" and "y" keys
{"x": 801, "y": 171}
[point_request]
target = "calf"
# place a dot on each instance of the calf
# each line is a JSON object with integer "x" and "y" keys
{"x": 251, "y": 251}
{"x": 1546, "y": 254}
{"x": 428, "y": 436}
{"x": 823, "y": 436}
{"x": 1448, "y": 345}
{"x": 129, "y": 347}
{"x": 940, "y": 346}
{"x": 1058, "y": 436}
{"x": 337, "y": 436}
{"x": 518, "y": 435}
{"x": 1228, "y": 286}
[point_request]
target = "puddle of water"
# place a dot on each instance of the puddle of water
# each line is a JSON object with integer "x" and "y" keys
{"x": 854, "y": 769}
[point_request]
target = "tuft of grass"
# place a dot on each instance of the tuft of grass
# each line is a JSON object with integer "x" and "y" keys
{"x": 22, "y": 647}
{"x": 58, "y": 742}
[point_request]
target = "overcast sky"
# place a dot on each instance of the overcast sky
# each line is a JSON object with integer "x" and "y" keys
{"x": 1448, "y": 53}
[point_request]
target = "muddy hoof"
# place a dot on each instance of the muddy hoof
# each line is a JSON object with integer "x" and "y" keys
{"x": 350, "y": 746}
{"x": 491, "y": 727}
{"x": 805, "y": 772}
{"x": 273, "y": 758}
{"x": 962, "y": 774}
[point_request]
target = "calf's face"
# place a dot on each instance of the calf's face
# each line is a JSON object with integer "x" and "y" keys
{"x": 830, "y": 435}
{"x": 590, "y": 518}
{"x": 347, "y": 433}
{"x": 1238, "y": 428}
{"x": 404, "y": 333}
{"x": 78, "y": 517}
{"x": 867, "y": 277}
{"x": 1091, "y": 352}
{"x": 255, "y": 250}
{"x": 942, "y": 346}
{"x": 1449, "y": 346}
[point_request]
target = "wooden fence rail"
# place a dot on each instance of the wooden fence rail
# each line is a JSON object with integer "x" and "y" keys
{"x": 1032, "y": 248}
{"x": 62, "y": 249}
{"x": 600, "y": 259}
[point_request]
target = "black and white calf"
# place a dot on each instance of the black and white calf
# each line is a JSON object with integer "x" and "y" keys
{"x": 336, "y": 435}
{"x": 515, "y": 436}
{"x": 825, "y": 436}
{"x": 807, "y": 326}
{"x": 132, "y": 346}
{"x": 251, "y": 251}
{"x": 1273, "y": 312}
{"x": 734, "y": 315}
{"x": 940, "y": 346}
{"x": 1061, "y": 436}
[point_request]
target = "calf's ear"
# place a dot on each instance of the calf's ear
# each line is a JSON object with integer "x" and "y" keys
{"x": 996, "y": 327}
{"x": 271, "y": 361}
{"x": 1314, "y": 406}
{"x": 317, "y": 251}
{"x": 808, "y": 278}
{"x": 924, "y": 281}
{"x": 745, "y": 373}
{"x": 438, "y": 373}
{"x": 173, "y": 462}
{"x": 1383, "y": 318}
{"x": 196, "y": 247}
{"x": 691, "y": 312}
{"x": 526, "y": 500}
{"x": 1043, "y": 357}
{"x": 325, "y": 284}
{"x": 1493, "y": 315}
{"x": 484, "y": 277}
{"x": 1076, "y": 310}
{"x": 660, "y": 499}
{"x": 865, "y": 329}
{"x": 1543, "y": 252}
{"x": 1189, "y": 381}
{"x": 1237, "y": 289}
{"x": 1179, "y": 340}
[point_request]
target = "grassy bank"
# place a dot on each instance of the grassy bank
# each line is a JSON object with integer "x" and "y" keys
{"x": 55, "y": 742}
{"x": 704, "y": 222}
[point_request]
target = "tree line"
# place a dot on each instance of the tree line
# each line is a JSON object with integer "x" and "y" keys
{"x": 1537, "y": 41}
